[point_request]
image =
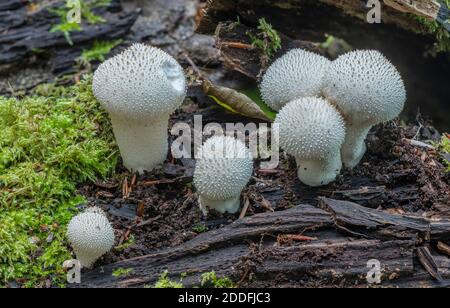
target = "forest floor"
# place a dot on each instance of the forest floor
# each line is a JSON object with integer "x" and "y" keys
{"x": 405, "y": 171}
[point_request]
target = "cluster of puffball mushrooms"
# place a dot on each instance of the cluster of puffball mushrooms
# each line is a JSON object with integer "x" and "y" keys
{"x": 326, "y": 110}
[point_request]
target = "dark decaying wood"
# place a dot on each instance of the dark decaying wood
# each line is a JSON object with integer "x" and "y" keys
{"x": 397, "y": 12}
{"x": 235, "y": 45}
{"x": 26, "y": 40}
{"x": 366, "y": 222}
{"x": 249, "y": 248}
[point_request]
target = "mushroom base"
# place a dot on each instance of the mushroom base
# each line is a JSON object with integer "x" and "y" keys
{"x": 143, "y": 144}
{"x": 231, "y": 205}
{"x": 86, "y": 259}
{"x": 354, "y": 147}
{"x": 317, "y": 173}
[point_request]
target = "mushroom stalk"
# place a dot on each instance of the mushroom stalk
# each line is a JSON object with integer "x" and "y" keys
{"x": 319, "y": 172}
{"x": 354, "y": 146}
{"x": 142, "y": 143}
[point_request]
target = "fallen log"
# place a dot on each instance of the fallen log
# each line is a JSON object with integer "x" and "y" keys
{"x": 365, "y": 222}
{"x": 26, "y": 39}
{"x": 249, "y": 248}
{"x": 397, "y": 12}
{"x": 235, "y": 45}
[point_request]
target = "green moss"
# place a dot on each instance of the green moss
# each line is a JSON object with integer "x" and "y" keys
{"x": 200, "y": 228}
{"x": 48, "y": 145}
{"x": 444, "y": 148}
{"x": 127, "y": 244}
{"x": 122, "y": 272}
{"x": 433, "y": 27}
{"x": 99, "y": 50}
{"x": 267, "y": 40}
{"x": 164, "y": 282}
{"x": 211, "y": 280}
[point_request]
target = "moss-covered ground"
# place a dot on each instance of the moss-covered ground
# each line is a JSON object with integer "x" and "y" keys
{"x": 50, "y": 142}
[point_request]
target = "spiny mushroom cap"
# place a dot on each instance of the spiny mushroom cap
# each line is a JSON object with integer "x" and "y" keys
{"x": 310, "y": 128}
{"x": 141, "y": 82}
{"x": 366, "y": 87}
{"x": 223, "y": 170}
{"x": 295, "y": 75}
{"x": 91, "y": 235}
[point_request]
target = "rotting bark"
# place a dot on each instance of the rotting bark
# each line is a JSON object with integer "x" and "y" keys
{"x": 249, "y": 248}
{"x": 26, "y": 40}
{"x": 394, "y": 11}
{"x": 236, "y": 48}
{"x": 364, "y": 222}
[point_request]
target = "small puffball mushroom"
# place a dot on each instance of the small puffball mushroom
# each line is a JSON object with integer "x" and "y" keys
{"x": 295, "y": 75}
{"x": 368, "y": 90}
{"x": 313, "y": 131}
{"x": 91, "y": 236}
{"x": 140, "y": 88}
{"x": 222, "y": 172}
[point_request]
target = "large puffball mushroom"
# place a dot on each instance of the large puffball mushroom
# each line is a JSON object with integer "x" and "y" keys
{"x": 313, "y": 131}
{"x": 296, "y": 74}
{"x": 221, "y": 173}
{"x": 140, "y": 88}
{"x": 368, "y": 90}
{"x": 91, "y": 236}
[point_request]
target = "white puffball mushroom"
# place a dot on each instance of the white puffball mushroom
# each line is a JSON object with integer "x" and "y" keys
{"x": 368, "y": 90}
{"x": 296, "y": 74}
{"x": 313, "y": 131}
{"x": 221, "y": 173}
{"x": 140, "y": 88}
{"x": 91, "y": 236}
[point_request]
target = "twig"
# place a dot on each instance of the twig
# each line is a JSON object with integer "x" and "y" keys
{"x": 247, "y": 271}
{"x": 266, "y": 204}
{"x": 163, "y": 181}
{"x": 11, "y": 88}
{"x": 194, "y": 66}
{"x": 286, "y": 238}
{"x": 148, "y": 221}
{"x": 418, "y": 131}
{"x": 245, "y": 208}
{"x": 125, "y": 188}
{"x": 444, "y": 248}
{"x": 237, "y": 45}
{"x": 428, "y": 262}
{"x": 419, "y": 144}
{"x": 106, "y": 185}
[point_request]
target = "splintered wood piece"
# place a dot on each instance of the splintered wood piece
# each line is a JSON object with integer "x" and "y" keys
{"x": 428, "y": 262}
